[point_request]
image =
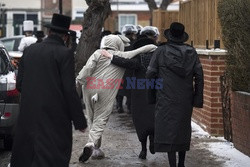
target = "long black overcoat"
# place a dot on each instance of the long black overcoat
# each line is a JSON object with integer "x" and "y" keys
{"x": 178, "y": 65}
{"x": 49, "y": 105}
{"x": 142, "y": 112}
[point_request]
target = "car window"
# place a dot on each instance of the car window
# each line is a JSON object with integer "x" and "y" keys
{"x": 3, "y": 63}
{"x": 18, "y": 40}
{"x": 9, "y": 44}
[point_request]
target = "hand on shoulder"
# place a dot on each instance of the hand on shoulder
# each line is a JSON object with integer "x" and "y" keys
{"x": 150, "y": 47}
{"x": 105, "y": 53}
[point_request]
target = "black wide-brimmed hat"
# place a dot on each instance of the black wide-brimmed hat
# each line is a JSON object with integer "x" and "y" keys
{"x": 176, "y": 33}
{"x": 60, "y": 23}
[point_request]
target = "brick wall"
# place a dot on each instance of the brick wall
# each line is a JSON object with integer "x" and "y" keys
{"x": 210, "y": 116}
{"x": 240, "y": 108}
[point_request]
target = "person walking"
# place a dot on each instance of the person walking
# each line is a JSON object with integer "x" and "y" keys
{"x": 100, "y": 81}
{"x": 28, "y": 28}
{"x": 142, "y": 113}
{"x": 49, "y": 101}
{"x": 178, "y": 65}
{"x": 39, "y": 35}
{"x": 130, "y": 31}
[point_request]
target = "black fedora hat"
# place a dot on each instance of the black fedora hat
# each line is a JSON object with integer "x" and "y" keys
{"x": 176, "y": 33}
{"x": 60, "y": 23}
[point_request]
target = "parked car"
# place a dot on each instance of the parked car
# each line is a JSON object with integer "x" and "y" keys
{"x": 11, "y": 44}
{"x": 9, "y": 99}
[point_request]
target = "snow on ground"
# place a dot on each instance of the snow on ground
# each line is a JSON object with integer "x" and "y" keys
{"x": 223, "y": 149}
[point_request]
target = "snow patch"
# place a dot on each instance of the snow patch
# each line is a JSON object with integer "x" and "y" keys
{"x": 197, "y": 131}
{"x": 233, "y": 157}
{"x": 222, "y": 148}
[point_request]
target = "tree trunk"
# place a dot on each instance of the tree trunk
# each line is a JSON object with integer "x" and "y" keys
{"x": 93, "y": 22}
{"x": 151, "y": 5}
{"x": 165, "y": 4}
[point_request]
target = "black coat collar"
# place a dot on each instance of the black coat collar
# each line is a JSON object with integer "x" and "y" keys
{"x": 54, "y": 39}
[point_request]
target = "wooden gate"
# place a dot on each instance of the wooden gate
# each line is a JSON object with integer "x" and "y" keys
{"x": 226, "y": 106}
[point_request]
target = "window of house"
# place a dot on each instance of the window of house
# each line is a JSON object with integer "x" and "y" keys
{"x": 18, "y": 19}
{"x": 78, "y": 14}
{"x": 17, "y": 22}
{"x": 126, "y": 19}
{"x": 33, "y": 17}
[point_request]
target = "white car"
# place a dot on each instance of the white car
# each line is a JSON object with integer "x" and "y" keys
{"x": 9, "y": 99}
{"x": 11, "y": 44}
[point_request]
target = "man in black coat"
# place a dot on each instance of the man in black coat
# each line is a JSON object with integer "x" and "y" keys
{"x": 178, "y": 65}
{"x": 49, "y": 102}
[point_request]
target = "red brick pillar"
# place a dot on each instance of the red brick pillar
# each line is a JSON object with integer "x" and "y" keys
{"x": 240, "y": 108}
{"x": 210, "y": 116}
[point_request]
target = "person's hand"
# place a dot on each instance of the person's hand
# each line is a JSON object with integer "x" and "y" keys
{"x": 147, "y": 48}
{"x": 83, "y": 130}
{"x": 78, "y": 88}
{"x": 151, "y": 47}
{"x": 106, "y": 54}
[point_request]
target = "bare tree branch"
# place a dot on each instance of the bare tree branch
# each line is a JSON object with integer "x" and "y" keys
{"x": 165, "y": 4}
{"x": 151, "y": 5}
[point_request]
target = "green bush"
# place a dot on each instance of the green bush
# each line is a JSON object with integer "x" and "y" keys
{"x": 234, "y": 16}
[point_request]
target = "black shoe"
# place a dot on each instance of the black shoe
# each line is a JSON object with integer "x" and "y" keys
{"x": 152, "y": 149}
{"x": 87, "y": 152}
{"x": 143, "y": 154}
{"x": 151, "y": 145}
{"x": 120, "y": 110}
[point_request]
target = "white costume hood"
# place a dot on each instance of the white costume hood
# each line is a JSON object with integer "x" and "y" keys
{"x": 114, "y": 42}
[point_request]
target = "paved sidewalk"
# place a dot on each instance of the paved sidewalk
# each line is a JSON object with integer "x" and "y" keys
{"x": 121, "y": 148}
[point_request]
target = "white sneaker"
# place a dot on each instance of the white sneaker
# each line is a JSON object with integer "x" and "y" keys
{"x": 97, "y": 154}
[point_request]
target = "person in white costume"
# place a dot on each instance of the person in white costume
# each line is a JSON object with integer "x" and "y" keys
{"x": 100, "y": 90}
{"x": 28, "y": 28}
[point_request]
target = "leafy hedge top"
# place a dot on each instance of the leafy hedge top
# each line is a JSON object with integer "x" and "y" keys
{"x": 234, "y": 16}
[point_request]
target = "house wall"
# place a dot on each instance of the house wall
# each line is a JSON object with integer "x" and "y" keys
{"x": 138, "y": 7}
{"x": 78, "y": 8}
{"x": 143, "y": 19}
{"x": 52, "y": 6}
{"x": 23, "y": 7}
{"x": 24, "y": 4}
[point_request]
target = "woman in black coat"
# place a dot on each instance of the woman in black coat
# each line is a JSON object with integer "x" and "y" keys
{"x": 142, "y": 112}
{"x": 178, "y": 65}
